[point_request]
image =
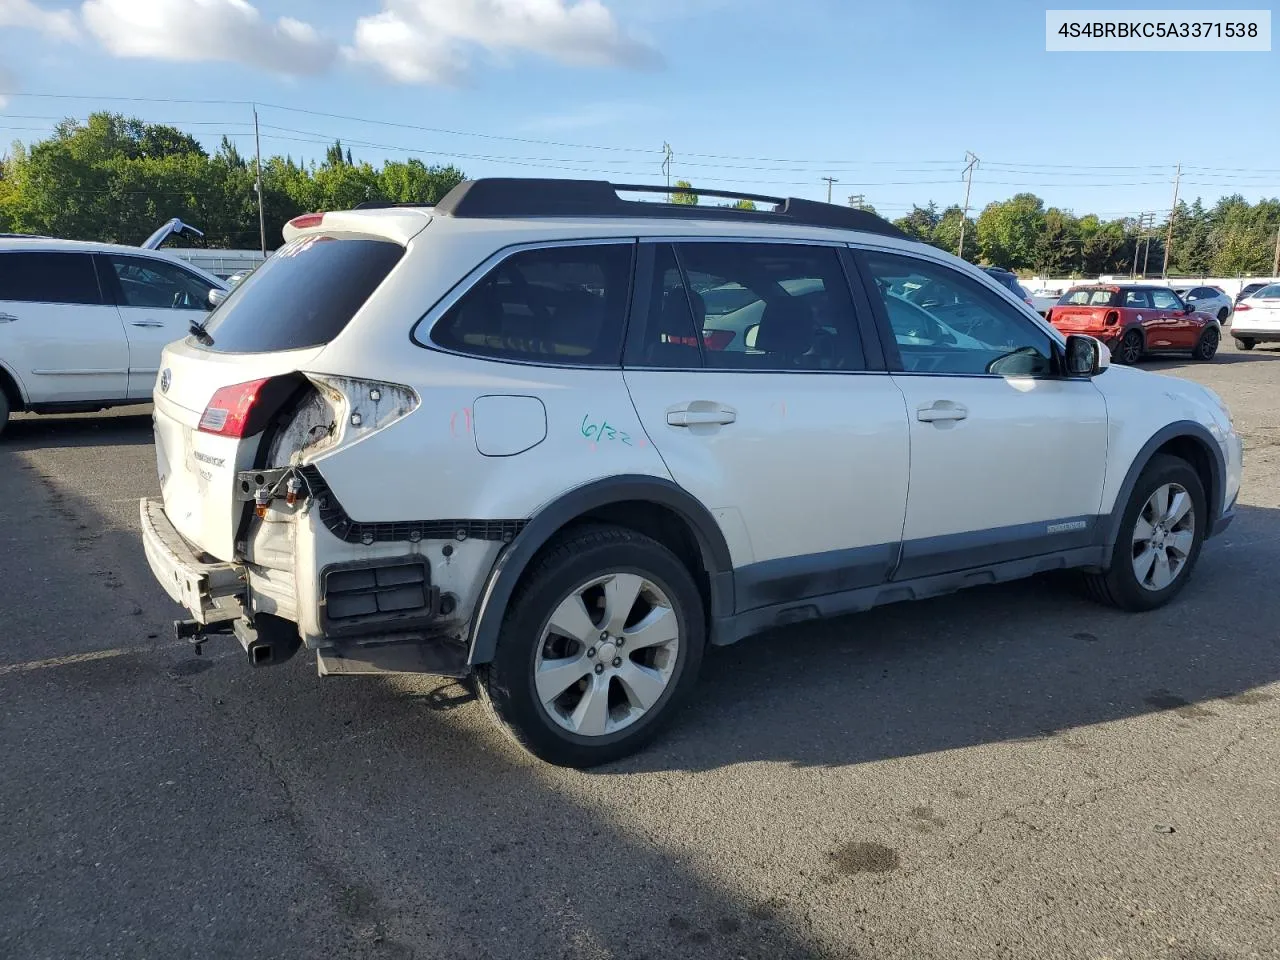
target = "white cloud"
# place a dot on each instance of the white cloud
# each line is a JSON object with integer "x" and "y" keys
{"x": 430, "y": 41}
{"x": 59, "y": 24}
{"x": 194, "y": 30}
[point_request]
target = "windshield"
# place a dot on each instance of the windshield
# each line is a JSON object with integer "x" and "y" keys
{"x": 1087, "y": 297}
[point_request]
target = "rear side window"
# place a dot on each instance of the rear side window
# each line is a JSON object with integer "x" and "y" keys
{"x": 49, "y": 278}
{"x": 303, "y": 296}
{"x": 749, "y": 306}
{"x": 559, "y": 305}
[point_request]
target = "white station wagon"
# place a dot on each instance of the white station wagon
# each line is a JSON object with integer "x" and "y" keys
{"x": 563, "y": 440}
{"x": 82, "y": 324}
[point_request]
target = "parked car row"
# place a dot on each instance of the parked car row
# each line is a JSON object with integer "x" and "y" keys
{"x": 1135, "y": 320}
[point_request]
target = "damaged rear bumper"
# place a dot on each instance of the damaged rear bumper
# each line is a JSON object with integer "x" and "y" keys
{"x": 211, "y": 591}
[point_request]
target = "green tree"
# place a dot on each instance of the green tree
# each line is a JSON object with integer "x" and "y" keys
{"x": 947, "y": 234}
{"x": 1008, "y": 231}
{"x": 921, "y": 223}
{"x": 684, "y": 196}
{"x": 745, "y": 205}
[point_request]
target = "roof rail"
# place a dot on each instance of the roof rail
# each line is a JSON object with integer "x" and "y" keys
{"x": 500, "y": 197}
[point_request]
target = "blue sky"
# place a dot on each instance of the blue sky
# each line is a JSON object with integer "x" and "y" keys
{"x": 751, "y": 95}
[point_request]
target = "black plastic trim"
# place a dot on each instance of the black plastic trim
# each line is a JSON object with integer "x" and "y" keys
{"x": 379, "y": 623}
{"x": 341, "y": 525}
{"x": 1173, "y": 431}
{"x": 732, "y": 629}
{"x": 506, "y": 573}
{"x": 789, "y": 579}
{"x": 500, "y": 197}
{"x": 931, "y": 556}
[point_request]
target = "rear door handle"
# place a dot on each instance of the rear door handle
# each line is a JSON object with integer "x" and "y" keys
{"x": 145, "y": 323}
{"x": 942, "y": 410}
{"x": 700, "y": 412}
{"x": 7, "y": 318}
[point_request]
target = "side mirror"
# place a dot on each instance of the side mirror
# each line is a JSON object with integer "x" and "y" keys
{"x": 1189, "y": 308}
{"x": 1086, "y": 356}
{"x": 216, "y": 296}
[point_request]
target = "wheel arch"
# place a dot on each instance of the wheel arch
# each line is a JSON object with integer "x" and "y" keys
{"x": 1189, "y": 441}
{"x": 651, "y": 505}
{"x": 11, "y": 387}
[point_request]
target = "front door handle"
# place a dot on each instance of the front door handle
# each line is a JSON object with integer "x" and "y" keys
{"x": 7, "y": 318}
{"x": 700, "y": 412}
{"x": 145, "y": 323}
{"x": 941, "y": 411}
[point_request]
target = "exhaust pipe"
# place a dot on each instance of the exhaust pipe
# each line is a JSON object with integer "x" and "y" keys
{"x": 268, "y": 641}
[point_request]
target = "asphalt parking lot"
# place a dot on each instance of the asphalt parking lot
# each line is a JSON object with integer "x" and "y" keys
{"x": 1009, "y": 772}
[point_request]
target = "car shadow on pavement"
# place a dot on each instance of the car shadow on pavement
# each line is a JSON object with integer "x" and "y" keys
{"x": 1027, "y": 660}
{"x": 30, "y": 431}
{"x": 157, "y": 803}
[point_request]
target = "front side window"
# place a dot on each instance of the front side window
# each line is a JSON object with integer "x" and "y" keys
{"x": 751, "y": 306}
{"x": 49, "y": 278}
{"x": 1165, "y": 300}
{"x": 947, "y": 323}
{"x": 152, "y": 283}
{"x": 561, "y": 305}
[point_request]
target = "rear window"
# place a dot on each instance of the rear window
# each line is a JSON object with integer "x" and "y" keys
{"x": 303, "y": 296}
{"x": 1087, "y": 298}
{"x": 1271, "y": 292}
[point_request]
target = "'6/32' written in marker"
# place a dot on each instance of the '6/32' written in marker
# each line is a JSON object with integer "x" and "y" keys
{"x": 603, "y": 431}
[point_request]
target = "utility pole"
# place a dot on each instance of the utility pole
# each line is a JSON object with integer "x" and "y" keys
{"x": 972, "y": 159}
{"x": 830, "y": 182}
{"x": 1168, "y": 241}
{"x": 1142, "y": 231}
{"x": 666, "y": 166}
{"x": 1275, "y": 264}
{"x": 257, "y": 149}
{"x": 857, "y": 201}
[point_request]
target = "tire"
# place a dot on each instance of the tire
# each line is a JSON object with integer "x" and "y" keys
{"x": 1120, "y": 585}
{"x": 4, "y": 411}
{"x": 1129, "y": 349}
{"x": 570, "y": 568}
{"x": 1244, "y": 343}
{"x": 1223, "y": 314}
{"x": 1208, "y": 345}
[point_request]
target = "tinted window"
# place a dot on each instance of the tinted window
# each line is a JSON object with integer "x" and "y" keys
{"x": 550, "y": 305}
{"x": 153, "y": 283}
{"x": 1136, "y": 299}
{"x": 766, "y": 306}
{"x": 303, "y": 296}
{"x": 1270, "y": 292}
{"x": 1202, "y": 293}
{"x": 1087, "y": 298}
{"x": 945, "y": 322}
{"x": 668, "y": 337}
{"x": 49, "y": 278}
{"x": 1165, "y": 300}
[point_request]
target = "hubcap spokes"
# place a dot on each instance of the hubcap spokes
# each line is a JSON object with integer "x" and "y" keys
{"x": 1163, "y": 536}
{"x": 607, "y": 654}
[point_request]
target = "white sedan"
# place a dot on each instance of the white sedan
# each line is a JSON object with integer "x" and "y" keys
{"x": 1257, "y": 318}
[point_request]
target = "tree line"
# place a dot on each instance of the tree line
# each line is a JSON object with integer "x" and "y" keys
{"x": 1231, "y": 238}
{"x": 116, "y": 178}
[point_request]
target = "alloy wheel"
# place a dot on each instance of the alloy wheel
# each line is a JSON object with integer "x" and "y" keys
{"x": 607, "y": 654}
{"x": 1163, "y": 536}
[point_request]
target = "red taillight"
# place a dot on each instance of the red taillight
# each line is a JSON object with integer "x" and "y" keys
{"x": 1242, "y": 306}
{"x": 302, "y": 221}
{"x": 717, "y": 339}
{"x": 1113, "y": 317}
{"x": 228, "y": 412}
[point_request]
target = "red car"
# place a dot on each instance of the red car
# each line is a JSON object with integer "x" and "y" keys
{"x": 1134, "y": 320}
